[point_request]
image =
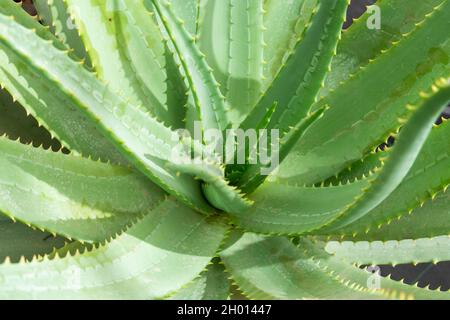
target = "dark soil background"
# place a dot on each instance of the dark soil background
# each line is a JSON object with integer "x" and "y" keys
{"x": 425, "y": 274}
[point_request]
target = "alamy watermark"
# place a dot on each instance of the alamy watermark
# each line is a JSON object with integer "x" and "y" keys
{"x": 233, "y": 146}
{"x": 374, "y": 19}
{"x": 374, "y": 280}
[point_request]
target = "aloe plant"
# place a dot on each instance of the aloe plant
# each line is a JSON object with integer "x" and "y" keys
{"x": 94, "y": 93}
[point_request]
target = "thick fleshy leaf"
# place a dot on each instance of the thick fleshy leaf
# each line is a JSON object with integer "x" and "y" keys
{"x": 284, "y": 209}
{"x": 208, "y": 100}
{"x": 72, "y": 196}
{"x": 51, "y": 108}
{"x": 158, "y": 255}
{"x": 284, "y": 22}
{"x": 16, "y": 124}
{"x": 212, "y": 284}
{"x": 127, "y": 50}
{"x": 401, "y": 158}
{"x": 143, "y": 140}
{"x": 428, "y": 176}
{"x": 256, "y": 174}
{"x": 364, "y": 110}
{"x": 392, "y": 252}
{"x": 18, "y": 240}
{"x": 297, "y": 83}
{"x": 231, "y": 37}
{"x": 54, "y": 14}
{"x": 188, "y": 11}
{"x": 365, "y": 40}
{"x": 430, "y": 220}
{"x": 274, "y": 268}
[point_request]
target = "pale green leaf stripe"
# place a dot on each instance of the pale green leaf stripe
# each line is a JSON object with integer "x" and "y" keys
{"x": 209, "y": 102}
{"x": 392, "y": 252}
{"x": 363, "y": 42}
{"x": 402, "y": 157}
{"x": 212, "y": 284}
{"x": 428, "y": 176}
{"x": 17, "y": 241}
{"x": 284, "y": 23}
{"x": 231, "y": 37}
{"x": 127, "y": 50}
{"x": 71, "y": 196}
{"x": 296, "y": 86}
{"x": 138, "y": 136}
{"x": 157, "y": 256}
{"x": 55, "y": 15}
{"x": 364, "y": 110}
{"x": 274, "y": 268}
{"x": 71, "y": 127}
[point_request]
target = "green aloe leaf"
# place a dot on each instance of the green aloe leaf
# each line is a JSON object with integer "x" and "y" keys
{"x": 297, "y": 83}
{"x": 427, "y": 177}
{"x": 212, "y": 284}
{"x": 127, "y": 51}
{"x": 38, "y": 97}
{"x": 231, "y": 37}
{"x": 365, "y": 40}
{"x": 274, "y": 268}
{"x": 255, "y": 175}
{"x": 142, "y": 139}
{"x": 429, "y": 220}
{"x": 284, "y": 23}
{"x": 18, "y": 241}
{"x": 16, "y": 124}
{"x": 286, "y": 209}
{"x": 401, "y": 159}
{"x": 54, "y": 14}
{"x": 208, "y": 100}
{"x": 158, "y": 255}
{"x": 364, "y": 109}
{"x": 71, "y": 196}
{"x": 392, "y": 252}
{"x": 188, "y": 11}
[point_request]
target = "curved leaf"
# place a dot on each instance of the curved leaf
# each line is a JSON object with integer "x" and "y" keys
{"x": 158, "y": 255}
{"x": 401, "y": 159}
{"x": 392, "y": 252}
{"x": 364, "y": 41}
{"x": 230, "y": 34}
{"x": 208, "y": 99}
{"x": 44, "y": 102}
{"x": 274, "y": 268}
{"x": 285, "y": 209}
{"x": 69, "y": 195}
{"x": 54, "y": 14}
{"x": 17, "y": 241}
{"x": 212, "y": 284}
{"x": 144, "y": 141}
{"x": 297, "y": 83}
{"x": 127, "y": 50}
{"x": 427, "y": 177}
{"x": 364, "y": 110}
{"x": 284, "y": 23}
